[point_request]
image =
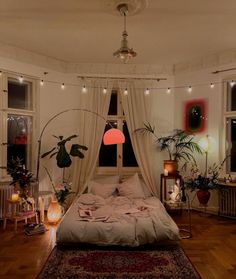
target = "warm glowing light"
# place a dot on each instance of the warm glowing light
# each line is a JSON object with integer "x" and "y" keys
{"x": 232, "y": 83}
{"x": 147, "y": 91}
{"x": 63, "y": 86}
{"x": 212, "y": 85}
{"x": 54, "y": 212}
{"x": 207, "y": 143}
{"x": 41, "y": 82}
{"x": 15, "y": 197}
{"x": 84, "y": 89}
{"x": 21, "y": 79}
{"x": 168, "y": 91}
{"x": 126, "y": 91}
{"x": 165, "y": 172}
{"x": 0, "y": 73}
{"x": 113, "y": 136}
{"x": 104, "y": 90}
{"x": 190, "y": 89}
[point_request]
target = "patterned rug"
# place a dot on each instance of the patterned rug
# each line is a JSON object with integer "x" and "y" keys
{"x": 103, "y": 263}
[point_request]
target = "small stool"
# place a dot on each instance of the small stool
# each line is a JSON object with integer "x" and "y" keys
{"x": 14, "y": 213}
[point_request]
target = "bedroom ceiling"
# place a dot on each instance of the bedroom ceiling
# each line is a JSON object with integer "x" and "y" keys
{"x": 165, "y": 32}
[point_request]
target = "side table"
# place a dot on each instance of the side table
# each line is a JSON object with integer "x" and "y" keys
{"x": 14, "y": 213}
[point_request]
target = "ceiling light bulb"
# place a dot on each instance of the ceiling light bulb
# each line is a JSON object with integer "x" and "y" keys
{"x": 126, "y": 91}
{"x": 41, "y": 82}
{"x": 104, "y": 90}
{"x": 212, "y": 85}
{"x": 84, "y": 89}
{"x": 168, "y": 91}
{"x": 232, "y": 83}
{"x": 190, "y": 89}
{"x": 147, "y": 91}
{"x": 63, "y": 86}
{"x": 21, "y": 79}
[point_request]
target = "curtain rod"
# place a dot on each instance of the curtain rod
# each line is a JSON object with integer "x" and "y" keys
{"x": 121, "y": 78}
{"x": 225, "y": 70}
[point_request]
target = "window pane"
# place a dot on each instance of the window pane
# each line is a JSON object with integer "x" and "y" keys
{"x": 19, "y": 138}
{"x": 231, "y": 142}
{"x": 231, "y": 97}
{"x": 108, "y": 153}
{"x": 129, "y": 159}
{"x": 19, "y": 94}
{"x": 113, "y": 103}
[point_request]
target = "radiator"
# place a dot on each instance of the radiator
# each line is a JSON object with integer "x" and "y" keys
{"x": 5, "y": 193}
{"x": 228, "y": 202}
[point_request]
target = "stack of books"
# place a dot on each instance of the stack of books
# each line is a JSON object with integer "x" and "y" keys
{"x": 31, "y": 229}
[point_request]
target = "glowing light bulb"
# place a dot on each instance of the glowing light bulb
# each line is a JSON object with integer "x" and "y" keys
{"x": 84, "y": 89}
{"x": 104, "y": 90}
{"x": 147, "y": 91}
{"x": 232, "y": 83}
{"x": 63, "y": 86}
{"x": 126, "y": 91}
{"x": 190, "y": 89}
{"x": 212, "y": 85}
{"x": 168, "y": 91}
{"x": 41, "y": 82}
{"x": 21, "y": 79}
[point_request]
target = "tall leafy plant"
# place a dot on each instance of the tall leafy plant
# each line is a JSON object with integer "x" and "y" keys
{"x": 63, "y": 156}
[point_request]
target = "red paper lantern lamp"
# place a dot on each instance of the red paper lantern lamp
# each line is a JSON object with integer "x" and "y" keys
{"x": 113, "y": 136}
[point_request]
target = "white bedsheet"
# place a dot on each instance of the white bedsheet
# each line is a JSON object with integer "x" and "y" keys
{"x": 128, "y": 222}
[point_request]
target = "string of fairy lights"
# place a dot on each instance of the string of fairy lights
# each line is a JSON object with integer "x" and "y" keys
{"x": 147, "y": 90}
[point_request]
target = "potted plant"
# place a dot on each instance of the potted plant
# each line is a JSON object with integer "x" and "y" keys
{"x": 179, "y": 146}
{"x": 204, "y": 182}
{"x": 63, "y": 157}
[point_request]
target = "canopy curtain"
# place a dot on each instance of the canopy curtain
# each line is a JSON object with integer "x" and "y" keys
{"x": 90, "y": 130}
{"x": 137, "y": 111}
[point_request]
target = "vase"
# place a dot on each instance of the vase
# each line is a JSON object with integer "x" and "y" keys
{"x": 203, "y": 196}
{"x": 171, "y": 166}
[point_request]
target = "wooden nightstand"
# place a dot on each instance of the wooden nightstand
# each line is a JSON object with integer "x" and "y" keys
{"x": 13, "y": 212}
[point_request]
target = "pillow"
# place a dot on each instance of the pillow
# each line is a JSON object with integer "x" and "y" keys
{"x": 105, "y": 180}
{"x": 101, "y": 189}
{"x": 131, "y": 188}
{"x": 146, "y": 191}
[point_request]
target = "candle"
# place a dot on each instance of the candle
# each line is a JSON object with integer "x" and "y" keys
{"x": 15, "y": 197}
{"x": 165, "y": 172}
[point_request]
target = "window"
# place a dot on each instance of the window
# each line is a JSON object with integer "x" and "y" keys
{"x": 17, "y": 121}
{"x": 117, "y": 158}
{"x": 230, "y": 124}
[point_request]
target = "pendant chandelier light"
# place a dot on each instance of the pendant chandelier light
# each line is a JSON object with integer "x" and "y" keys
{"x": 124, "y": 52}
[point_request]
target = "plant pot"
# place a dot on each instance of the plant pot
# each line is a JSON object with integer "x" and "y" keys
{"x": 203, "y": 196}
{"x": 171, "y": 166}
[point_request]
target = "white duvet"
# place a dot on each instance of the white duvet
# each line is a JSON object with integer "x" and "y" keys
{"x": 116, "y": 221}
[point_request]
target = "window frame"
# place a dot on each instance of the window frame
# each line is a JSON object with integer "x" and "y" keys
{"x": 119, "y": 169}
{"x": 5, "y": 110}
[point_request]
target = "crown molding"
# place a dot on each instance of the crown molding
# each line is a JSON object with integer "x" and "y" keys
{"x": 211, "y": 61}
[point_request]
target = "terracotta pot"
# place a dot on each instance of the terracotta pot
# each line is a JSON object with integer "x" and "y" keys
{"x": 203, "y": 196}
{"x": 171, "y": 166}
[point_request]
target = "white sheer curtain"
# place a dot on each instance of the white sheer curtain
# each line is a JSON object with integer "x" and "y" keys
{"x": 137, "y": 111}
{"x": 90, "y": 130}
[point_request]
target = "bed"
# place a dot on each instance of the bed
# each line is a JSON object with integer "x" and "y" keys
{"x": 116, "y": 214}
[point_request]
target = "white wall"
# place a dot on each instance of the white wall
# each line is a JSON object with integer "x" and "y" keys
{"x": 202, "y": 79}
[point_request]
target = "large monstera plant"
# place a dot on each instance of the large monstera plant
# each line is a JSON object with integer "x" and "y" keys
{"x": 63, "y": 157}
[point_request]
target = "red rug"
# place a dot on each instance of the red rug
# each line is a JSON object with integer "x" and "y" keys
{"x": 161, "y": 263}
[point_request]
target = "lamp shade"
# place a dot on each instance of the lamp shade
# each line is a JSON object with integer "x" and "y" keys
{"x": 54, "y": 212}
{"x": 207, "y": 143}
{"x": 113, "y": 136}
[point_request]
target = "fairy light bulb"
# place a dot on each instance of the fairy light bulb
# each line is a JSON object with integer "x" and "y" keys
{"x": 147, "y": 91}
{"x": 232, "y": 83}
{"x": 41, "y": 82}
{"x": 21, "y": 79}
{"x": 190, "y": 89}
{"x": 212, "y": 85}
{"x": 63, "y": 86}
{"x": 104, "y": 90}
{"x": 168, "y": 91}
{"x": 84, "y": 89}
{"x": 126, "y": 92}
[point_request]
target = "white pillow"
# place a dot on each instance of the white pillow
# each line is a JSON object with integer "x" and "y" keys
{"x": 131, "y": 188}
{"x": 101, "y": 189}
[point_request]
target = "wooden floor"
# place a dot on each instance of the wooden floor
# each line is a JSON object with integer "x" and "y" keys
{"x": 212, "y": 249}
